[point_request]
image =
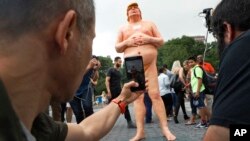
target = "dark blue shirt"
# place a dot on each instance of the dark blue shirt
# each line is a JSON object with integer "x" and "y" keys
{"x": 85, "y": 83}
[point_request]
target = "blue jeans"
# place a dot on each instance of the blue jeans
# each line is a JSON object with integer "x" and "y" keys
{"x": 82, "y": 105}
{"x": 148, "y": 104}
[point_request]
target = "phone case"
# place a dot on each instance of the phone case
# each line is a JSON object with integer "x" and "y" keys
{"x": 135, "y": 71}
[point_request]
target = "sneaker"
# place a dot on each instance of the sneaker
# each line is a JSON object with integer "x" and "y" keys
{"x": 201, "y": 125}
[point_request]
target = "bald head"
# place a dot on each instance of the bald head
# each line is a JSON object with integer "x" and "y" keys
{"x": 22, "y": 16}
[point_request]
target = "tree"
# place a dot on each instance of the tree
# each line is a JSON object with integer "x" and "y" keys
{"x": 106, "y": 63}
{"x": 184, "y": 47}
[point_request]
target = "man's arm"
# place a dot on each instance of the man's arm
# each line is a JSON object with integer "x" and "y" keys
{"x": 107, "y": 83}
{"x": 95, "y": 126}
{"x": 100, "y": 123}
{"x": 198, "y": 87}
{"x": 120, "y": 45}
{"x": 94, "y": 79}
{"x": 156, "y": 39}
{"x": 91, "y": 64}
{"x": 181, "y": 76}
{"x": 199, "y": 75}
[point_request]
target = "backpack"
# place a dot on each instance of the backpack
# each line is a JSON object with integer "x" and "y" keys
{"x": 175, "y": 83}
{"x": 208, "y": 80}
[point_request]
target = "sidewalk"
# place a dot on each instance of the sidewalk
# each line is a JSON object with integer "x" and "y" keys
{"x": 120, "y": 132}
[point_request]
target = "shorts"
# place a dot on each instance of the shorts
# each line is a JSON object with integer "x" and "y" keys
{"x": 199, "y": 102}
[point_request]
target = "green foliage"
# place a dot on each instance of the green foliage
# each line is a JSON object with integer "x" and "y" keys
{"x": 106, "y": 63}
{"x": 184, "y": 47}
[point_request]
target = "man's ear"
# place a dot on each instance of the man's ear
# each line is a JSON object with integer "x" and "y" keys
{"x": 229, "y": 34}
{"x": 64, "y": 32}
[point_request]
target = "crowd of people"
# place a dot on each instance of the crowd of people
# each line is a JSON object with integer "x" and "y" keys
{"x": 46, "y": 58}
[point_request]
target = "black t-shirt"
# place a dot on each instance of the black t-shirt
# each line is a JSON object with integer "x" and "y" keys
{"x": 43, "y": 129}
{"x": 232, "y": 96}
{"x": 115, "y": 81}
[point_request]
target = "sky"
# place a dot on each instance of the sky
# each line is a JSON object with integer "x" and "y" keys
{"x": 173, "y": 18}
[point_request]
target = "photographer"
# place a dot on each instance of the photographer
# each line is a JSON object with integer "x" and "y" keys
{"x": 45, "y": 47}
{"x": 231, "y": 27}
{"x": 82, "y": 104}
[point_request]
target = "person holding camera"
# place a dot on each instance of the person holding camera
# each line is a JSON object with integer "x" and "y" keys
{"x": 231, "y": 27}
{"x": 82, "y": 104}
{"x": 45, "y": 47}
{"x": 142, "y": 38}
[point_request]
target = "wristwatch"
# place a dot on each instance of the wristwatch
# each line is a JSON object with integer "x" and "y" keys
{"x": 121, "y": 104}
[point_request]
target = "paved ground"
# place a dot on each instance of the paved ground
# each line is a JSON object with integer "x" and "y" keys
{"x": 120, "y": 132}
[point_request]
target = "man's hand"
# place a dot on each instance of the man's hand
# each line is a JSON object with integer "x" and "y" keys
{"x": 138, "y": 39}
{"x": 132, "y": 42}
{"x": 197, "y": 94}
{"x": 126, "y": 94}
{"x": 109, "y": 95}
{"x": 93, "y": 62}
{"x": 143, "y": 39}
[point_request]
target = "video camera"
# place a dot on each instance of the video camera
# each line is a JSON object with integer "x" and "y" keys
{"x": 207, "y": 13}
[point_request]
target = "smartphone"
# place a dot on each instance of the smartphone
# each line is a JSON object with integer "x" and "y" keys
{"x": 135, "y": 71}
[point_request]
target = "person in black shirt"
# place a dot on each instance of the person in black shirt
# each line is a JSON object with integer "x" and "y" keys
{"x": 114, "y": 87}
{"x": 231, "y": 27}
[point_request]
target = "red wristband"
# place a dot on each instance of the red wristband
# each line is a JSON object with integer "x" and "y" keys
{"x": 121, "y": 105}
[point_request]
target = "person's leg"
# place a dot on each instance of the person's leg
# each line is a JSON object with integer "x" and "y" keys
{"x": 139, "y": 116}
{"x": 169, "y": 103}
{"x": 127, "y": 116}
{"x": 193, "y": 111}
{"x": 69, "y": 113}
{"x": 56, "y": 110}
{"x": 63, "y": 109}
{"x": 157, "y": 103}
{"x": 203, "y": 111}
{"x": 160, "y": 111}
{"x": 182, "y": 104}
{"x": 87, "y": 103}
{"x": 77, "y": 109}
{"x": 164, "y": 99}
{"x": 148, "y": 104}
{"x": 177, "y": 107}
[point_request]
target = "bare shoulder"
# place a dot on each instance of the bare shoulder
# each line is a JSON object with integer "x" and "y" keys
{"x": 149, "y": 23}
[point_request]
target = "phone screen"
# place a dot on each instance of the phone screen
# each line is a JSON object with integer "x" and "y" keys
{"x": 135, "y": 71}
